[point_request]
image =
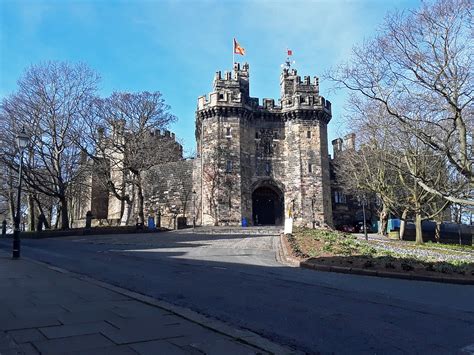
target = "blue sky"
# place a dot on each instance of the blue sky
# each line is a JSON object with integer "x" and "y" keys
{"x": 176, "y": 46}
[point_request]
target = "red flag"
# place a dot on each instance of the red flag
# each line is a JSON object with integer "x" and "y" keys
{"x": 238, "y": 49}
{"x": 290, "y": 52}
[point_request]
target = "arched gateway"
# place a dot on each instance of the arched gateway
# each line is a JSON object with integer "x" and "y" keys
{"x": 267, "y": 205}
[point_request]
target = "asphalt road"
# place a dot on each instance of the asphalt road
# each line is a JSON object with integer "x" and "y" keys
{"x": 238, "y": 280}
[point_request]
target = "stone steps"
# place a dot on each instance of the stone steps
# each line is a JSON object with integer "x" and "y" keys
{"x": 264, "y": 230}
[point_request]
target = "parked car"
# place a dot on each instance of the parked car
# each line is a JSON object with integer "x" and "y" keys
{"x": 346, "y": 228}
{"x": 359, "y": 227}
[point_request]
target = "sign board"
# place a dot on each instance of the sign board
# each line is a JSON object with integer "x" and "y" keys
{"x": 288, "y": 226}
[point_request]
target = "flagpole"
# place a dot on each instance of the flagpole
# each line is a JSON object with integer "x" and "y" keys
{"x": 233, "y": 54}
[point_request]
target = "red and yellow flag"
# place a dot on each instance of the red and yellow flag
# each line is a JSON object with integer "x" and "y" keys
{"x": 238, "y": 49}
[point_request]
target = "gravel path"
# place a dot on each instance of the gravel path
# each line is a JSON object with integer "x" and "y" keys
{"x": 434, "y": 253}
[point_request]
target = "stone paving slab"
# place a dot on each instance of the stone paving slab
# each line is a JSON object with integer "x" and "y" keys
{"x": 72, "y": 344}
{"x": 21, "y": 349}
{"x": 159, "y": 347}
{"x": 110, "y": 350}
{"x": 26, "y": 335}
{"x": 64, "y": 331}
{"x": 57, "y": 312}
{"x": 25, "y": 323}
{"x": 87, "y": 316}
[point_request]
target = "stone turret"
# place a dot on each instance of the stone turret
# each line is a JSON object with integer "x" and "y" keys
{"x": 349, "y": 141}
{"x": 230, "y": 89}
{"x": 337, "y": 147}
{"x": 300, "y": 94}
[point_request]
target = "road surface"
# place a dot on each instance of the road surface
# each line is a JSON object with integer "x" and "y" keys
{"x": 238, "y": 280}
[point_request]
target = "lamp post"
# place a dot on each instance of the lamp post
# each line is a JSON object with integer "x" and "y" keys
{"x": 194, "y": 209}
{"x": 22, "y": 140}
{"x": 313, "y": 201}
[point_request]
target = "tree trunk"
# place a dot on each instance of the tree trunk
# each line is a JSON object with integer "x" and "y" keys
{"x": 383, "y": 221}
{"x": 71, "y": 214}
{"x": 58, "y": 217}
{"x": 418, "y": 230}
{"x": 64, "y": 213}
{"x": 438, "y": 231}
{"x": 31, "y": 213}
{"x": 50, "y": 215}
{"x": 41, "y": 212}
{"x": 11, "y": 205}
{"x": 141, "y": 213}
{"x": 126, "y": 214}
{"x": 403, "y": 223}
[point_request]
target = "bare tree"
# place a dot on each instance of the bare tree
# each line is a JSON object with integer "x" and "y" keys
{"x": 388, "y": 162}
{"x": 218, "y": 172}
{"x": 123, "y": 140}
{"x": 420, "y": 69}
{"x": 365, "y": 171}
{"x": 8, "y": 191}
{"x": 51, "y": 101}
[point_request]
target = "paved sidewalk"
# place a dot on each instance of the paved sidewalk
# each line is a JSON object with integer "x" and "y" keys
{"x": 44, "y": 311}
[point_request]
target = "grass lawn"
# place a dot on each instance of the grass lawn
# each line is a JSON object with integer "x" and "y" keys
{"x": 334, "y": 248}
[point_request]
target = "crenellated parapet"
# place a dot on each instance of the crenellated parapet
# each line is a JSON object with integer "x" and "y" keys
{"x": 299, "y": 98}
{"x": 230, "y": 89}
{"x": 301, "y": 94}
{"x": 167, "y": 139}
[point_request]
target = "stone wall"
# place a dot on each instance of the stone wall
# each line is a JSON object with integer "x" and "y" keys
{"x": 169, "y": 193}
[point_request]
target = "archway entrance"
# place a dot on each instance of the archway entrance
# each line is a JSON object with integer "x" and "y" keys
{"x": 267, "y": 206}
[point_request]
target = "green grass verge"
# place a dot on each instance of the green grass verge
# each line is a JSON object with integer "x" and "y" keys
{"x": 314, "y": 243}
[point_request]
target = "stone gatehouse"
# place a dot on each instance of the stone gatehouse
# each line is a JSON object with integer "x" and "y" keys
{"x": 256, "y": 161}
{"x": 262, "y": 161}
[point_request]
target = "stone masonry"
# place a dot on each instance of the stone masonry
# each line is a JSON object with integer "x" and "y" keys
{"x": 254, "y": 156}
{"x": 256, "y": 163}
{"x": 169, "y": 195}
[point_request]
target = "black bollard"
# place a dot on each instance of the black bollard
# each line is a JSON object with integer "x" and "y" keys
{"x": 88, "y": 219}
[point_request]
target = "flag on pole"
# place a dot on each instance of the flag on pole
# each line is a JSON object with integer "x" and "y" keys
{"x": 238, "y": 49}
{"x": 290, "y": 52}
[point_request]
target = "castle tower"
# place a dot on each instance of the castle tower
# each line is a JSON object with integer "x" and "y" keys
{"x": 262, "y": 162}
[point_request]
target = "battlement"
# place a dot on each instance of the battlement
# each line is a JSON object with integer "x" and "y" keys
{"x": 170, "y": 136}
{"x": 232, "y": 90}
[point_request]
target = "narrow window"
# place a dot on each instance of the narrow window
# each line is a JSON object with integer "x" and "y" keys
{"x": 228, "y": 166}
{"x": 268, "y": 168}
{"x": 308, "y": 134}
{"x": 310, "y": 168}
{"x": 257, "y": 135}
{"x": 221, "y": 96}
{"x": 339, "y": 197}
{"x": 275, "y": 135}
{"x": 228, "y": 132}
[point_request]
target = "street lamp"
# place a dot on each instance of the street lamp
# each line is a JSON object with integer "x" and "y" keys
{"x": 22, "y": 140}
{"x": 194, "y": 209}
{"x": 313, "y": 201}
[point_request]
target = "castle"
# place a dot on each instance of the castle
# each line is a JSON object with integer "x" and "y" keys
{"x": 262, "y": 162}
{"x": 257, "y": 163}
